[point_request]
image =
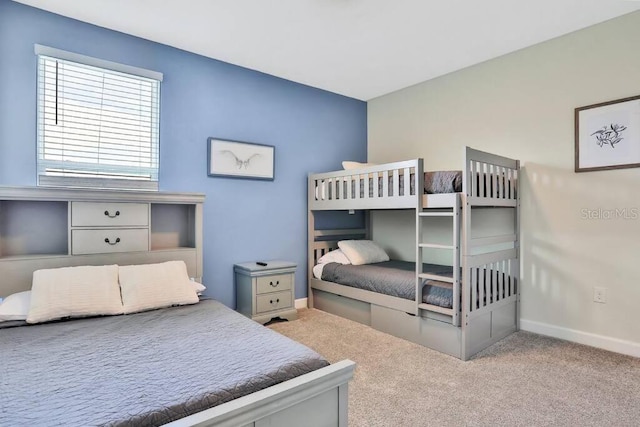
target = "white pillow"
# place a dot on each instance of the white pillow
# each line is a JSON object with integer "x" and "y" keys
{"x": 74, "y": 292}
{"x": 15, "y": 306}
{"x": 363, "y": 251}
{"x": 198, "y": 287}
{"x": 334, "y": 256}
{"x": 348, "y": 165}
{"x": 150, "y": 286}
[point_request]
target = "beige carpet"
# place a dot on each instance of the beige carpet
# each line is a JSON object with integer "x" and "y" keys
{"x": 524, "y": 380}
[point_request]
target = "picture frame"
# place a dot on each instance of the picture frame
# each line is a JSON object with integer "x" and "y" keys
{"x": 237, "y": 159}
{"x": 607, "y": 135}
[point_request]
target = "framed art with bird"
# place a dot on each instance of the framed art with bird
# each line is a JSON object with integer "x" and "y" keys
{"x": 237, "y": 159}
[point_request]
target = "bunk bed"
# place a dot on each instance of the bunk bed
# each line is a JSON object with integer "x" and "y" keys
{"x": 483, "y": 273}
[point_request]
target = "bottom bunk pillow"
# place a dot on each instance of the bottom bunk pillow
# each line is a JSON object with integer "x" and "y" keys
{"x": 66, "y": 292}
{"x": 151, "y": 286}
{"x": 335, "y": 255}
{"x": 361, "y": 252}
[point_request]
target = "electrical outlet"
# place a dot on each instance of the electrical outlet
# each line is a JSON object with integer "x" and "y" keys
{"x": 600, "y": 295}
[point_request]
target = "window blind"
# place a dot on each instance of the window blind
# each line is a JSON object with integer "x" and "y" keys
{"x": 97, "y": 127}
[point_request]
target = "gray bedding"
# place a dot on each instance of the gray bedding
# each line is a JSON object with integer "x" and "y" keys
{"x": 394, "y": 278}
{"x": 142, "y": 369}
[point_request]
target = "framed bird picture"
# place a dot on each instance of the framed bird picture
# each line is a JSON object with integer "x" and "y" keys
{"x": 236, "y": 159}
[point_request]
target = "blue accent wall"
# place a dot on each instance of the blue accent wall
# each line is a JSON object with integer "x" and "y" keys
{"x": 244, "y": 220}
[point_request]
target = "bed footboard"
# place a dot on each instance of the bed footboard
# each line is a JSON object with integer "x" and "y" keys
{"x": 319, "y": 398}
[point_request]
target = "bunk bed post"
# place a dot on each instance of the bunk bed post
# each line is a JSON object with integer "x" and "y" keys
{"x": 517, "y": 245}
{"x": 467, "y": 189}
{"x": 311, "y": 238}
{"x": 456, "y": 262}
{"x": 418, "y": 176}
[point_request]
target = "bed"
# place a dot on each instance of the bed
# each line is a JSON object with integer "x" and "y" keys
{"x": 481, "y": 281}
{"x": 198, "y": 364}
{"x": 143, "y": 369}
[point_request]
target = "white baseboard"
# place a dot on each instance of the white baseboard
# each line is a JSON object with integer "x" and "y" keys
{"x": 300, "y": 303}
{"x": 600, "y": 341}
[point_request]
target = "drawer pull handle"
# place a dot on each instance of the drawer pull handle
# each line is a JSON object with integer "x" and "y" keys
{"x": 112, "y": 216}
{"x": 277, "y": 283}
{"x": 271, "y": 301}
{"x": 106, "y": 240}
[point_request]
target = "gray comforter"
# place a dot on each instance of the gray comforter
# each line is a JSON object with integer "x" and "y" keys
{"x": 142, "y": 369}
{"x": 394, "y": 278}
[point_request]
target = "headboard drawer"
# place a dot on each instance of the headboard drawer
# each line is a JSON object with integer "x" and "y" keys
{"x": 89, "y": 214}
{"x": 109, "y": 240}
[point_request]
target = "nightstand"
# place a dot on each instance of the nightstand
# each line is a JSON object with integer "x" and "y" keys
{"x": 266, "y": 292}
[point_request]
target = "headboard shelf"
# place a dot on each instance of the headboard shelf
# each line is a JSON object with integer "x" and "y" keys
{"x": 52, "y": 227}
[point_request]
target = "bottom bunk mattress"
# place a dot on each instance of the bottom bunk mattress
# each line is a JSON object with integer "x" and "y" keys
{"x": 143, "y": 369}
{"x": 394, "y": 278}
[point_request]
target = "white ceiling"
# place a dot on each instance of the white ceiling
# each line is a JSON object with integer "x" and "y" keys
{"x": 359, "y": 48}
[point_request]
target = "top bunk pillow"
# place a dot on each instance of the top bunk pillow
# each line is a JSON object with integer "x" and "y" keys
{"x": 151, "y": 286}
{"x": 15, "y": 306}
{"x": 74, "y": 292}
{"x": 348, "y": 165}
{"x": 362, "y": 252}
{"x": 334, "y": 256}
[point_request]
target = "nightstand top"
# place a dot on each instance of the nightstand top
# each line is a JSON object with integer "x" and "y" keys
{"x": 252, "y": 267}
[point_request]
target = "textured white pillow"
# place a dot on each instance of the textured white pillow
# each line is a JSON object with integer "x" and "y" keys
{"x": 198, "y": 287}
{"x": 15, "y": 306}
{"x": 334, "y": 256}
{"x": 363, "y": 251}
{"x": 149, "y": 286}
{"x": 74, "y": 292}
{"x": 348, "y": 165}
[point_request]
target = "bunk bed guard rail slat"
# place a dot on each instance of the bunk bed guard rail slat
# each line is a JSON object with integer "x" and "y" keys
{"x": 387, "y": 186}
{"x": 489, "y": 179}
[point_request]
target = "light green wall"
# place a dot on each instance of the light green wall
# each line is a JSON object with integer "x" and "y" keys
{"x": 522, "y": 105}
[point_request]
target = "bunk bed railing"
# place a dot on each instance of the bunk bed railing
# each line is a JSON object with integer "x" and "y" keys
{"x": 489, "y": 179}
{"x": 493, "y": 280}
{"x": 388, "y": 186}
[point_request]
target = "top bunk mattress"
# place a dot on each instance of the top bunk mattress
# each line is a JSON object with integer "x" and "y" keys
{"x": 143, "y": 369}
{"x": 438, "y": 182}
{"x": 393, "y": 278}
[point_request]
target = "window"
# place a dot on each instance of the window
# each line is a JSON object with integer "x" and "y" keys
{"x": 98, "y": 122}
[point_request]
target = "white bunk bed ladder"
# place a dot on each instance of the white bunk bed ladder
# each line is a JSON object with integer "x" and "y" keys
{"x": 453, "y": 212}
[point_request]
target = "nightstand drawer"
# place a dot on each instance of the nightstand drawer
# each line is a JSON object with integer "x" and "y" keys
{"x": 273, "y": 301}
{"x": 279, "y": 282}
{"x": 88, "y": 214}
{"x": 109, "y": 241}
